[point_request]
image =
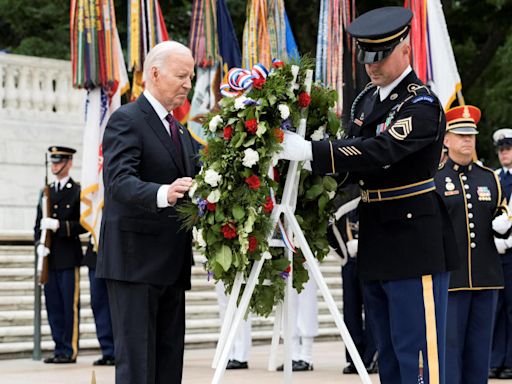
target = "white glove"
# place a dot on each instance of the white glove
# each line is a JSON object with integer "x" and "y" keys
{"x": 503, "y": 244}
{"x": 352, "y": 247}
{"x": 501, "y": 224}
{"x": 295, "y": 147}
{"x": 42, "y": 251}
{"x": 50, "y": 224}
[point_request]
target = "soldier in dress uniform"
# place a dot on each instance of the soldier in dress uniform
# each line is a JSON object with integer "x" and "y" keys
{"x": 343, "y": 237}
{"x": 64, "y": 256}
{"x": 100, "y": 309}
{"x": 472, "y": 195}
{"x": 501, "y": 354}
{"x": 393, "y": 146}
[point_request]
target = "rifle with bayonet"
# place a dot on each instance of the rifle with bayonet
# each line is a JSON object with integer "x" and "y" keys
{"x": 46, "y": 238}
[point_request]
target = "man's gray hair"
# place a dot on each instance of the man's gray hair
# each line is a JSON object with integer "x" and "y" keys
{"x": 157, "y": 55}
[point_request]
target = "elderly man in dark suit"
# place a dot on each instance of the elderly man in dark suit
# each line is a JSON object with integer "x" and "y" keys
{"x": 145, "y": 255}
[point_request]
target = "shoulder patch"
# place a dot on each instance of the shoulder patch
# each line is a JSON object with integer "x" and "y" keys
{"x": 401, "y": 128}
{"x": 426, "y": 98}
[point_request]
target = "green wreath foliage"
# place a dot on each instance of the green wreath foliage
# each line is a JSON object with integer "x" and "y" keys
{"x": 230, "y": 202}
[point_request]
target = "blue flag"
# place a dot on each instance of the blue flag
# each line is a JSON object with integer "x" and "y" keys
{"x": 229, "y": 49}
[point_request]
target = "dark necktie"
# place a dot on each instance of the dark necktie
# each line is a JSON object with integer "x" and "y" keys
{"x": 173, "y": 128}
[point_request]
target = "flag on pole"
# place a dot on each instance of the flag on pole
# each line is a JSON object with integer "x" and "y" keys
{"x": 433, "y": 58}
{"x": 101, "y": 102}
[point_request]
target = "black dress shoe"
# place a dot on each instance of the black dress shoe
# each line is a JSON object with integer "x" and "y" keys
{"x": 235, "y": 364}
{"x": 50, "y": 360}
{"x": 506, "y": 373}
{"x": 64, "y": 360}
{"x": 350, "y": 369}
{"x": 301, "y": 366}
{"x": 494, "y": 372}
{"x": 105, "y": 360}
{"x": 373, "y": 367}
{"x": 281, "y": 367}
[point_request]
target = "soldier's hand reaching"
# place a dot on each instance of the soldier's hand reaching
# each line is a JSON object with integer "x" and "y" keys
{"x": 49, "y": 224}
{"x": 178, "y": 189}
{"x": 295, "y": 147}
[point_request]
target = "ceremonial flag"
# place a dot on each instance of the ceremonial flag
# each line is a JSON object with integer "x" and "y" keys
{"x": 433, "y": 58}
{"x": 100, "y": 105}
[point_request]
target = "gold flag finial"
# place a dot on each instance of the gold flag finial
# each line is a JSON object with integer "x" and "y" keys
{"x": 93, "y": 380}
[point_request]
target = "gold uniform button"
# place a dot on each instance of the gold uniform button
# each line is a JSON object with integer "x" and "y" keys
{"x": 67, "y": 205}
{"x": 409, "y": 215}
{"x": 464, "y": 178}
{"x": 54, "y": 215}
{"x": 470, "y": 205}
{"x": 466, "y": 186}
{"x": 471, "y": 225}
{"x": 473, "y": 245}
{"x": 470, "y": 215}
{"x": 468, "y": 196}
{"x": 472, "y": 235}
{"x": 55, "y": 206}
{"x": 361, "y": 183}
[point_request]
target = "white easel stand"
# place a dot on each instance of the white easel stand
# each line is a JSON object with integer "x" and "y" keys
{"x": 235, "y": 314}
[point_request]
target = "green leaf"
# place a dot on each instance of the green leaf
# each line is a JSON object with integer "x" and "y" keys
{"x": 330, "y": 183}
{"x": 210, "y": 219}
{"x": 250, "y": 142}
{"x": 322, "y": 202}
{"x": 224, "y": 257}
{"x": 219, "y": 215}
{"x": 238, "y": 212}
{"x": 239, "y": 141}
{"x": 232, "y": 120}
{"x": 314, "y": 191}
{"x": 272, "y": 99}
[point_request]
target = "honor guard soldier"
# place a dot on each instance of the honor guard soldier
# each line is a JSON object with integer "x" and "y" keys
{"x": 393, "y": 146}
{"x": 64, "y": 256}
{"x": 100, "y": 309}
{"x": 344, "y": 239}
{"x": 501, "y": 355}
{"x": 472, "y": 195}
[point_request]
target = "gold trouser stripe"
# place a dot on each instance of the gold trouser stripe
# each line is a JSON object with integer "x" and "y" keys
{"x": 76, "y": 298}
{"x": 430, "y": 328}
{"x": 332, "y": 158}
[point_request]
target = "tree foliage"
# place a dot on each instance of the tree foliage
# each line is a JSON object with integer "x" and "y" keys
{"x": 480, "y": 31}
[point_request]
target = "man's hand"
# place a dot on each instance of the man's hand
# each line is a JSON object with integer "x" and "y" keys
{"x": 295, "y": 147}
{"x": 501, "y": 224}
{"x": 42, "y": 251}
{"x": 178, "y": 189}
{"x": 49, "y": 224}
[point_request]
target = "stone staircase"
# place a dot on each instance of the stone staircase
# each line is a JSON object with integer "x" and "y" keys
{"x": 203, "y": 325}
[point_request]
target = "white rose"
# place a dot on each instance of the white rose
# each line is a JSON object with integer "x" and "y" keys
{"x": 240, "y": 102}
{"x": 197, "y": 234}
{"x": 214, "y": 123}
{"x": 318, "y": 134}
{"x": 192, "y": 189}
{"x": 284, "y": 111}
{"x": 211, "y": 177}
{"x": 214, "y": 196}
{"x": 251, "y": 157}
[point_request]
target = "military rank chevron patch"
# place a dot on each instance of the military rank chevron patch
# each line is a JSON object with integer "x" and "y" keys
{"x": 401, "y": 129}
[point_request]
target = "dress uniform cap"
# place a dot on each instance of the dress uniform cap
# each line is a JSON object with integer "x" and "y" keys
{"x": 502, "y": 138}
{"x": 59, "y": 153}
{"x": 463, "y": 120}
{"x": 379, "y": 31}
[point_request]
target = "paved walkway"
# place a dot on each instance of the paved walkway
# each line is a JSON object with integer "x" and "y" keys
{"x": 329, "y": 358}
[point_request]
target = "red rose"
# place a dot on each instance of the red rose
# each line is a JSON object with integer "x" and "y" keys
{"x": 279, "y": 134}
{"x": 228, "y": 131}
{"x": 253, "y": 244}
{"x": 253, "y": 182}
{"x": 269, "y": 205}
{"x": 228, "y": 230}
{"x": 211, "y": 207}
{"x": 258, "y": 83}
{"x": 277, "y": 64}
{"x": 288, "y": 269}
{"x": 251, "y": 125}
{"x": 304, "y": 99}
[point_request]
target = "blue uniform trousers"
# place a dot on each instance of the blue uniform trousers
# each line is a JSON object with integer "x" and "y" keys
{"x": 408, "y": 320}
{"x": 353, "y": 313}
{"x": 62, "y": 297}
{"x": 469, "y": 331}
{"x": 501, "y": 355}
{"x": 101, "y": 311}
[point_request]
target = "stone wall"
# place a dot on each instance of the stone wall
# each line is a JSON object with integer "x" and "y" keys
{"x": 38, "y": 108}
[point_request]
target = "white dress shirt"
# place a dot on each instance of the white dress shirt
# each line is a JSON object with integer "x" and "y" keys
{"x": 386, "y": 90}
{"x": 161, "y": 196}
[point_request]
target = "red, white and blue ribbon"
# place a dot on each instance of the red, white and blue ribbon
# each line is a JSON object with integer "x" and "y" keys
{"x": 240, "y": 80}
